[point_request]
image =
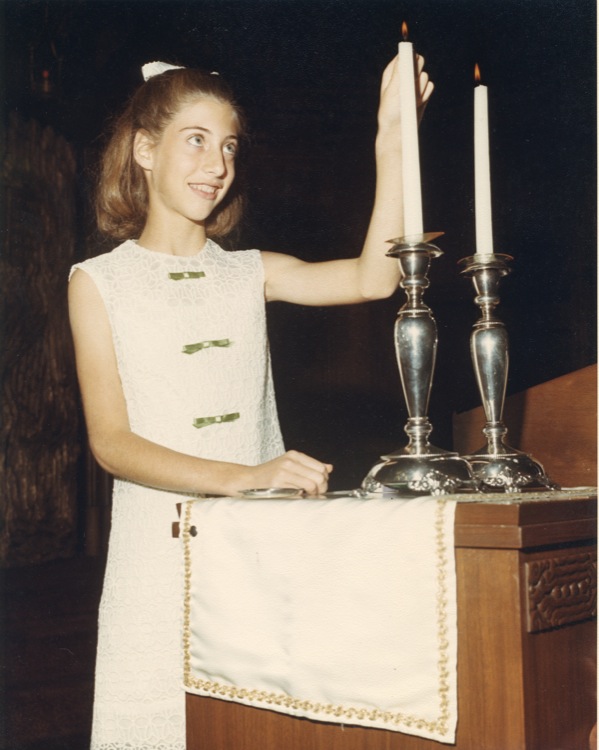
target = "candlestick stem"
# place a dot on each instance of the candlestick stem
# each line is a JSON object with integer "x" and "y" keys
{"x": 497, "y": 466}
{"x": 418, "y": 468}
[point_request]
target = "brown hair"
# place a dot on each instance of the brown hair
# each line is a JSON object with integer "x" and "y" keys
{"x": 122, "y": 194}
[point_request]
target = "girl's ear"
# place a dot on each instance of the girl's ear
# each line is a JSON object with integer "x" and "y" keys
{"x": 143, "y": 149}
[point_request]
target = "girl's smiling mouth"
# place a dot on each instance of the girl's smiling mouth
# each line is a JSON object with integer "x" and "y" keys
{"x": 206, "y": 191}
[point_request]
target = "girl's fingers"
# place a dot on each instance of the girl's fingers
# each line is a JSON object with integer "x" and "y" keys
{"x": 425, "y": 91}
{"x": 295, "y": 469}
{"x": 425, "y": 85}
{"x": 312, "y": 475}
{"x": 310, "y": 462}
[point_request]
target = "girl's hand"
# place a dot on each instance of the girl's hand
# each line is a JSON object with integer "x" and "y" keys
{"x": 389, "y": 112}
{"x": 292, "y": 469}
{"x": 424, "y": 87}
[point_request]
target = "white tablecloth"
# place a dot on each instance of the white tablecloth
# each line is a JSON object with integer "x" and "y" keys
{"x": 339, "y": 610}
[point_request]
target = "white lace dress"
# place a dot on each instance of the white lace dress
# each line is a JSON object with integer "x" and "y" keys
{"x": 192, "y": 351}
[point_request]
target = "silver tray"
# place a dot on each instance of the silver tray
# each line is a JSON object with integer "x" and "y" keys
{"x": 273, "y": 493}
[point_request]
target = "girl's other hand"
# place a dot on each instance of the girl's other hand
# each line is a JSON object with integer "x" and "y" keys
{"x": 389, "y": 107}
{"x": 292, "y": 469}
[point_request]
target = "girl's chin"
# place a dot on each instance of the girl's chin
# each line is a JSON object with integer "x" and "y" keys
{"x": 199, "y": 217}
{"x": 204, "y": 212}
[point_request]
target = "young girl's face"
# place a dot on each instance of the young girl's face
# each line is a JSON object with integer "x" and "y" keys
{"x": 191, "y": 168}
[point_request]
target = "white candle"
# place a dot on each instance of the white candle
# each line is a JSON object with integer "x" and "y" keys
{"x": 412, "y": 197}
{"x": 482, "y": 172}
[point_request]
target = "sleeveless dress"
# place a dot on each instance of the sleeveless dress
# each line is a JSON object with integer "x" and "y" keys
{"x": 192, "y": 351}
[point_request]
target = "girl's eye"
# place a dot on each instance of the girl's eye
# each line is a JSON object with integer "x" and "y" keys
{"x": 196, "y": 140}
{"x": 231, "y": 149}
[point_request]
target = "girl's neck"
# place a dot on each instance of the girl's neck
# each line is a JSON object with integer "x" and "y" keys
{"x": 188, "y": 239}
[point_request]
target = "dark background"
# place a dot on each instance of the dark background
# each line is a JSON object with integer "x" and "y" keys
{"x": 308, "y": 75}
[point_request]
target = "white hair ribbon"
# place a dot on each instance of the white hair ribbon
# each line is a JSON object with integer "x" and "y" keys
{"x": 151, "y": 69}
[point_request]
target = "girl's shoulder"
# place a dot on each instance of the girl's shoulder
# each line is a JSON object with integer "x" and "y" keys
{"x": 120, "y": 256}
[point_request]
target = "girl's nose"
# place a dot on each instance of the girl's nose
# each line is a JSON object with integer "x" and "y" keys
{"x": 215, "y": 163}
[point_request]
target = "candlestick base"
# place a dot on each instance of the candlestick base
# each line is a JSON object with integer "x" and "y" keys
{"x": 419, "y": 468}
{"x": 497, "y": 466}
{"x": 508, "y": 471}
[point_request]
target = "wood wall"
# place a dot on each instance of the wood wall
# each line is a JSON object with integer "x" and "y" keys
{"x": 555, "y": 422}
{"x": 40, "y": 428}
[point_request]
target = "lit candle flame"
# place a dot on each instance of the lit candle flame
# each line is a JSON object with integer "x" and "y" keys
{"x": 404, "y": 31}
{"x": 476, "y": 73}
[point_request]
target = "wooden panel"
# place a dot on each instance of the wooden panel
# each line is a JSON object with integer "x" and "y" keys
{"x": 560, "y": 668}
{"x": 39, "y": 422}
{"x": 491, "y": 709}
{"x": 567, "y": 683}
{"x": 555, "y": 422}
{"x": 561, "y": 588}
{"x": 219, "y": 725}
{"x": 525, "y": 524}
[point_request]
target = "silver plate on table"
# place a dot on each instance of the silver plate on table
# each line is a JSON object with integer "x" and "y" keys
{"x": 346, "y": 493}
{"x": 273, "y": 493}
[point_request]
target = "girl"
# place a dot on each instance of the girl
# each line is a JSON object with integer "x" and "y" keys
{"x": 173, "y": 363}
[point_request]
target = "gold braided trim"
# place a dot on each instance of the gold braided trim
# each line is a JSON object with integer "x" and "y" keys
{"x": 329, "y": 710}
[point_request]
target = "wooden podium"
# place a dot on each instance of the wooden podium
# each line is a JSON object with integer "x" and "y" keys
{"x": 526, "y": 586}
{"x": 526, "y": 590}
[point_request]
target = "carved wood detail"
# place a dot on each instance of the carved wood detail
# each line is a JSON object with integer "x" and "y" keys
{"x": 40, "y": 420}
{"x": 561, "y": 590}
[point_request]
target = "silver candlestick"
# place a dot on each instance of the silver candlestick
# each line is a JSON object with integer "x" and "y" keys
{"x": 419, "y": 468}
{"x": 497, "y": 466}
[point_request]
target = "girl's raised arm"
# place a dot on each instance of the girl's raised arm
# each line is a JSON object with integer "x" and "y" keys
{"x": 372, "y": 275}
{"x": 126, "y": 455}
